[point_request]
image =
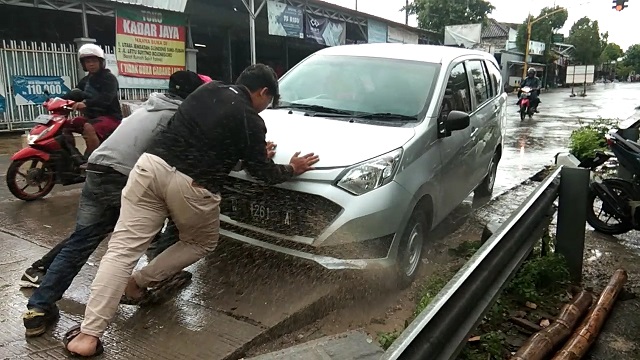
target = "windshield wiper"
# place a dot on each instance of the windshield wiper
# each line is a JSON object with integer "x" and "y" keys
{"x": 316, "y": 108}
{"x": 386, "y": 116}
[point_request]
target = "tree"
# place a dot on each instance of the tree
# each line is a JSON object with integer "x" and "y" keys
{"x": 434, "y": 15}
{"x": 611, "y": 52}
{"x": 588, "y": 42}
{"x": 542, "y": 30}
{"x": 632, "y": 58}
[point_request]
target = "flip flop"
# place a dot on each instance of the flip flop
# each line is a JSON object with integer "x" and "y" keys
{"x": 164, "y": 289}
{"x": 72, "y": 334}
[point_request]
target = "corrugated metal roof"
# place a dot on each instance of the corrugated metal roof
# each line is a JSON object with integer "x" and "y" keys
{"x": 170, "y": 5}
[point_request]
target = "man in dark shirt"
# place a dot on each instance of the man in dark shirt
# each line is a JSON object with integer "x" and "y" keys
{"x": 96, "y": 96}
{"x": 181, "y": 175}
{"x": 535, "y": 84}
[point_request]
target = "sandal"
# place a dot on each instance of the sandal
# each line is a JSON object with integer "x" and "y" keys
{"x": 161, "y": 291}
{"x": 72, "y": 334}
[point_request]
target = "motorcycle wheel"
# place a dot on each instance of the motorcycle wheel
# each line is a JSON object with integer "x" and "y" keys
{"x": 41, "y": 177}
{"x": 523, "y": 113}
{"x": 625, "y": 225}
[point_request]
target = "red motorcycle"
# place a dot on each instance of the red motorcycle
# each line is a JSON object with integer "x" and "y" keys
{"x": 49, "y": 156}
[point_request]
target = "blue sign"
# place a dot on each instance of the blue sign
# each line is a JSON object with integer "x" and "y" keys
{"x": 30, "y": 90}
{"x": 285, "y": 20}
{"x": 3, "y": 104}
{"x": 325, "y": 31}
{"x": 376, "y": 31}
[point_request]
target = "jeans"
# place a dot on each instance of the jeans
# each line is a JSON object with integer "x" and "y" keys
{"x": 160, "y": 243}
{"x": 97, "y": 216}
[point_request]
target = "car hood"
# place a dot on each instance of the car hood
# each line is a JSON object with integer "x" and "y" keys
{"x": 338, "y": 142}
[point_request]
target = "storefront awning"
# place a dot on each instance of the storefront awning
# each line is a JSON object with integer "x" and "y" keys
{"x": 170, "y": 5}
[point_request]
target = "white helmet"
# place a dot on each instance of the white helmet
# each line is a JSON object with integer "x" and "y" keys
{"x": 88, "y": 50}
{"x": 91, "y": 50}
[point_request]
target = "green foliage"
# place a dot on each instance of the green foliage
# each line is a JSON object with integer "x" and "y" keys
{"x": 436, "y": 14}
{"x": 429, "y": 292}
{"x": 611, "y": 52}
{"x": 539, "y": 277}
{"x": 466, "y": 249}
{"x": 632, "y": 58}
{"x": 542, "y": 30}
{"x": 491, "y": 347}
{"x": 386, "y": 339}
{"x": 588, "y": 42}
{"x": 586, "y": 140}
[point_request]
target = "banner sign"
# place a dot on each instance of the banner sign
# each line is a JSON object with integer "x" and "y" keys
{"x": 30, "y": 90}
{"x": 325, "y": 31}
{"x": 376, "y": 31}
{"x": 149, "y": 43}
{"x": 285, "y": 20}
{"x": 127, "y": 82}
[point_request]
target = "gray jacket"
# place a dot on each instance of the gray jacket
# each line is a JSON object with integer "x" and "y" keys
{"x": 133, "y": 136}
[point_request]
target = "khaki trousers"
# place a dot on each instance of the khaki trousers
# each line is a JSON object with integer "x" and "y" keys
{"x": 154, "y": 191}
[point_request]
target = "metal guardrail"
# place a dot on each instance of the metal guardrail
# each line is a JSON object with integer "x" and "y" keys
{"x": 442, "y": 329}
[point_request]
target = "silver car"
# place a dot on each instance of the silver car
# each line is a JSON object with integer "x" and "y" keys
{"x": 404, "y": 132}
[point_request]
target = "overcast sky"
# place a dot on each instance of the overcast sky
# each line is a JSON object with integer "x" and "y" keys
{"x": 516, "y": 11}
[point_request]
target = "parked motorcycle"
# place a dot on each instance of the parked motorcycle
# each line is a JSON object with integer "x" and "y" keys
{"x": 620, "y": 198}
{"x": 525, "y": 103}
{"x": 49, "y": 155}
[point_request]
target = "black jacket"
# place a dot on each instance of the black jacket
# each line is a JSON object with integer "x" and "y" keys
{"x": 100, "y": 94}
{"x": 213, "y": 129}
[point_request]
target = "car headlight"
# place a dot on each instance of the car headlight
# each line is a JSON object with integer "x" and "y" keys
{"x": 371, "y": 174}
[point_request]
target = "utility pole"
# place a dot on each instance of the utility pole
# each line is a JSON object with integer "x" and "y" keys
{"x": 529, "y": 25}
{"x": 406, "y": 12}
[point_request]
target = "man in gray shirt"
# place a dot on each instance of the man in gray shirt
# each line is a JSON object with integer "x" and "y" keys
{"x": 107, "y": 172}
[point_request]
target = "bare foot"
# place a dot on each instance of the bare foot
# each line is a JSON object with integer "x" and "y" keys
{"x": 133, "y": 291}
{"x": 83, "y": 345}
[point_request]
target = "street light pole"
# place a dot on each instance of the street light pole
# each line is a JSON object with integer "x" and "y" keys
{"x": 406, "y": 12}
{"x": 530, "y": 23}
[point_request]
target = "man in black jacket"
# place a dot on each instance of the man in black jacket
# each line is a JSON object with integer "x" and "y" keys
{"x": 181, "y": 175}
{"x": 96, "y": 96}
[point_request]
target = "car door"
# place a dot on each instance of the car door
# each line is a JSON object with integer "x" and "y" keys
{"x": 480, "y": 121}
{"x": 456, "y": 146}
{"x": 492, "y": 129}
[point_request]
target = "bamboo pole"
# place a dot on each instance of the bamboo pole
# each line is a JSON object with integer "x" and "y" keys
{"x": 542, "y": 343}
{"x": 585, "y": 336}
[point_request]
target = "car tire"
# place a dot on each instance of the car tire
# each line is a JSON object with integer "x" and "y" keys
{"x": 411, "y": 249}
{"x": 485, "y": 189}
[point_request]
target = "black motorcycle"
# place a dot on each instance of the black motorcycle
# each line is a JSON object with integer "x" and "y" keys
{"x": 620, "y": 198}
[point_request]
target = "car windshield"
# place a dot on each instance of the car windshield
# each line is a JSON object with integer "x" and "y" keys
{"x": 359, "y": 85}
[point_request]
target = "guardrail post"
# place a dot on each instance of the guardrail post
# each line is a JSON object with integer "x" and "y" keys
{"x": 572, "y": 216}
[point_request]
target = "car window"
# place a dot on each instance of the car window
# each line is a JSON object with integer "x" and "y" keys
{"x": 480, "y": 84}
{"x": 496, "y": 78}
{"x": 360, "y": 84}
{"x": 457, "y": 95}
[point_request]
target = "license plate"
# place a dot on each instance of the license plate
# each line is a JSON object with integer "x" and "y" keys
{"x": 259, "y": 212}
{"x": 43, "y": 119}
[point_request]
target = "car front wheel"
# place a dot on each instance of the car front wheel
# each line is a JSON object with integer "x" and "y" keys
{"x": 485, "y": 189}
{"x": 410, "y": 250}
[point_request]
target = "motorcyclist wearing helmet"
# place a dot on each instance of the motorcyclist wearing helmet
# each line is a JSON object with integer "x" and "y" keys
{"x": 535, "y": 84}
{"x": 96, "y": 96}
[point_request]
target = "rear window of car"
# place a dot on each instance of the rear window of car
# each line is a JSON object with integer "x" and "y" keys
{"x": 361, "y": 84}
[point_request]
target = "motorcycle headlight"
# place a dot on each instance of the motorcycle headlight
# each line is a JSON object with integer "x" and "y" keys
{"x": 371, "y": 174}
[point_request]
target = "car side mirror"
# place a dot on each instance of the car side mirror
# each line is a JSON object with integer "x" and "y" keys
{"x": 455, "y": 120}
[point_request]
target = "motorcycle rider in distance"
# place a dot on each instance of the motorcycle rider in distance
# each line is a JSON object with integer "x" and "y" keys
{"x": 535, "y": 84}
{"x": 96, "y": 96}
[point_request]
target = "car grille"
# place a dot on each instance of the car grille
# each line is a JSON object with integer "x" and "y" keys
{"x": 283, "y": 211}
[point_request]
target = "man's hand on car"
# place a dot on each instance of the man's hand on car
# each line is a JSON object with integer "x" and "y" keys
{"x": 302, "y": 164}
{"x": 271, "y": 149}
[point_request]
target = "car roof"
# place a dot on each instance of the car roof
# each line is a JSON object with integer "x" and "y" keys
{"x": 437, "y": 54}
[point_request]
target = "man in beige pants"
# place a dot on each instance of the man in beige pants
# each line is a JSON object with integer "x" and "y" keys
{"x": 180, "y": 176}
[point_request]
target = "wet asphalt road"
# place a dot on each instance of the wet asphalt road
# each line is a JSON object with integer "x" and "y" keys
{"x": 231, "y": 302}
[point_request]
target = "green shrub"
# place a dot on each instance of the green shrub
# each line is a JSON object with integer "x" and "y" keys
{"x": 585, "y": 141}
